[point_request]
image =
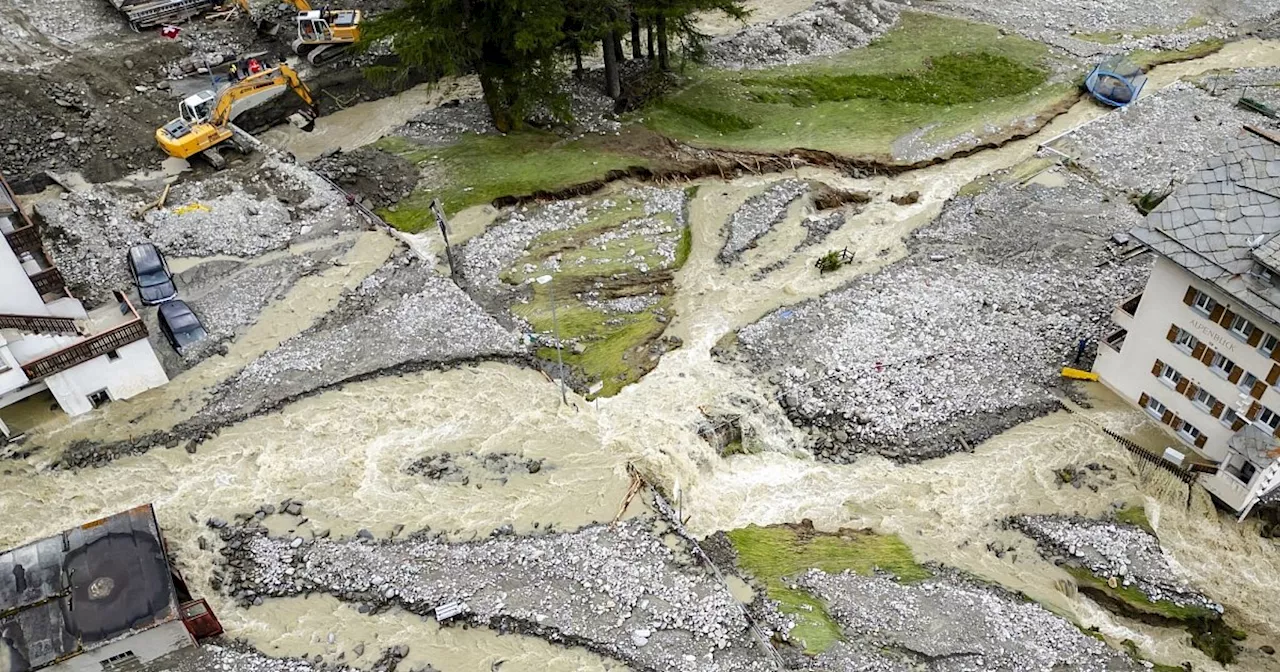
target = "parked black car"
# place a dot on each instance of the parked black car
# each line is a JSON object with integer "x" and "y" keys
{"x": 180, "y": 325}
{"x": 151, "y": 274}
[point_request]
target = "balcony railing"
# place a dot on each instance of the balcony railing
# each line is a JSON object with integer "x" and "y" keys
{"x": 25, "y": 239}
{"x": 38, "y": 324}
{"x": 91, "y": 347}
{"x": 49, "y": 283}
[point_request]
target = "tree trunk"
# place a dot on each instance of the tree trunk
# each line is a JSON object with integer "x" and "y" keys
{"x": 498, "y": 97}
{"x": 648, "y": 29}
{"x": 636, "y": 54}
{"x": 578, "y": 70}
{"x": 664, "y": 55}
{"x": 612, "y": 83}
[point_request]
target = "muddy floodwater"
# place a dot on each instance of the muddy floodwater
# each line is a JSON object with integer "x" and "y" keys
{"x": 344, "y": 452}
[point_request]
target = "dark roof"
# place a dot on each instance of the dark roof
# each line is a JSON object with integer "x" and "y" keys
{"x": 83, "y": 588}
{"x": 1225, "y": 218}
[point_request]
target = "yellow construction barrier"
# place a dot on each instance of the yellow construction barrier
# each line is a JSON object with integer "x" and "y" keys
{"x": 190, "y": 207}
{"x": 1077, "y": 374}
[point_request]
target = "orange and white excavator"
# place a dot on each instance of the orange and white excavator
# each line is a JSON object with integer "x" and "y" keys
{"x": 323, "y": 35}
{"x": 205, "y": 119}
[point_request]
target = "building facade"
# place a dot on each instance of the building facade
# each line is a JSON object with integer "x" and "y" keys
{"x": 48, "y": 341}
{"x": 1199, "y": 349}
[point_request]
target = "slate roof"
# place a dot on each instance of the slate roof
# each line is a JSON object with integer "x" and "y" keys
{"x": 83, "y": 588}
{"x": 1223, "y": 219}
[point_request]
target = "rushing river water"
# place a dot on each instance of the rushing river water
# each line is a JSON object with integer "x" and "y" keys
{"x": 343, "y": 452}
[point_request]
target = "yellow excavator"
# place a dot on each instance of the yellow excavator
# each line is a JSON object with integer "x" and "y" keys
{"x": 205, "y": 119}
{"x": 323, "y": 34}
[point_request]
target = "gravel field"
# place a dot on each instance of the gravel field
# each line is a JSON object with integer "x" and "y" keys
{"x": 238, "y": 213}
{"x": 826, "y": 28}
{"x": 903, "y": 362}
{"x": 413, "y": 315}
{"x": 818, "y": 227}
{"x": 758, "y": 216}
{"x": 1128, "y": 553}
{"x": 1158, "y": 140}
{"x": 236, "y": 657}
{"x": 952, "y": 624}
{"x": 619, "y": 590}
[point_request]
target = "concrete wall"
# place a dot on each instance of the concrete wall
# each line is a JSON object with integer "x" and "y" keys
{"x": 11, "y": 375}
{"x": 137, "y": 370}
{"x": 18, "y": 296}
{"x": 146, "y": 646}
{"x": 1129, "y": 372}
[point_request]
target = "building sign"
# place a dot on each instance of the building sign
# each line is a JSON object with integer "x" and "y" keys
{"x": 1213, "y": 335}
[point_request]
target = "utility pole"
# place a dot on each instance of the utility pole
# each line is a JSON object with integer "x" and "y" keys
{"x": 555, "y": 327}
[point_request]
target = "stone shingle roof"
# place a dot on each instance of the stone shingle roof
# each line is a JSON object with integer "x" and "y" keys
{"x": 1223, "y": 219}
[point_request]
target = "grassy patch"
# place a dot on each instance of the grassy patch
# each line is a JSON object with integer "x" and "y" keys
{"x": 480, "y": 168}
{"x": 1135, "y": 600}
{"x": 1149, "y": 59}
{"x": 944, "y": 74}
{"x": 1137, "y": 516}
{"x": 774, "y": 554}
{"x": 684, "y": 247}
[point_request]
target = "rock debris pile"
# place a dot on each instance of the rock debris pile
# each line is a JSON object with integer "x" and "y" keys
{"x": 232, "y": 213}
{"x": 402, "y": 316}
{"x": 758, "y": 216}
{"x": 1126, "y": 553}
{"x": 818, "y": 227}
{"x": 828, "y": 27}
{"x": 449, "y": 468}
{"x": 618, "y": 590}
{"x": 948, "y": 624}
{"x": 903, "y": 362}
{"x": 379, "y": 177}
{"x": 444, "y": 125}
{"x": 241, "y": 658}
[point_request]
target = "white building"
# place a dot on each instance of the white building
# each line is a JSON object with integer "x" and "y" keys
{"x": 48, "y": 340}
{"x": 1199, "y": 348}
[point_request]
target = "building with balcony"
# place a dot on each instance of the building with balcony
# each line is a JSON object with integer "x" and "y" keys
{"x": 1199, "y": 348}
{"x": 101, "y": 596}
{"x": 48, "y": 341}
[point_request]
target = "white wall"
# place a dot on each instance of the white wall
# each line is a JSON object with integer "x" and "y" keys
{"x": 11, "y": 375}
{"x": 18, "y": 296}
{"x": 1129, "y": 372}
{"x": 146, "y": 646}
{"x": 136, "y": 371}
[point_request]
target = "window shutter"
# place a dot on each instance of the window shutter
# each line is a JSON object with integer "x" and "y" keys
{"x": 1175, "y": 422}
{"x": 1218, "y": 408}
{"x": 1254, "y": 409}
{"x": 1275, "y": 353}
{"x": 1207, "y": 356}
{"x": 1276, "y": 433}
{"x": 1235, "y": 374}
{"x": 1144, "y": 399}
{"x": 1159, "y": 366}
{"x": 1216, "y": 314}
{"x": 1255, "y": 337}
{"x": 1173, "y": 333}
{"x": 1167, "y": 418}
{"x": 1227, "y": 318}
{"x": 1191, "y": 390}
{"x": 1274, "y": 375}
{"x": 1181, "y": 387}
{"x": 1198, "y": 351}
{"x": 1200, "y": 441}
{"x": 1258, "y": 388}
{"x": 1190, "y": 297}
{"x": 1237, "y": 425}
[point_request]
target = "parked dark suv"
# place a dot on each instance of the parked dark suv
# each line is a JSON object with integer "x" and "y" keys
{"x": 151, "y": 274}
{"x": 180, "y": 325}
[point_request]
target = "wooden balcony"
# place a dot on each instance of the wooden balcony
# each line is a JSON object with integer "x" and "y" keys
{"x": 92, "y": 347}
{"x": 49, "y": 284}
{"x": 38, "y": 324}
{"x": 25, "y": 239}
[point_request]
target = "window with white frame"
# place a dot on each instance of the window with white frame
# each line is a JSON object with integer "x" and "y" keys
{"x": 1229, "y": 417}
{"x": 1241, "y": 328}
{"x": 1269, "y": 418}
{"x": 1184, "y": 341}
{"x": 1203, "y": 303}
{"x": 1155, "y": 408}
{"x": 1268, "y": 344}
{"x": 1221, "y": 365}
{"x": 1247, "y": 381}
{"x": 1203, "y": 400}
{"x": 1169, "y": 376}
{"x": 1188, "y": 432}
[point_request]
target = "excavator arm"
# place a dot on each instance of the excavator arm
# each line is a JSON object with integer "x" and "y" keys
{"x": 254, "y": 84}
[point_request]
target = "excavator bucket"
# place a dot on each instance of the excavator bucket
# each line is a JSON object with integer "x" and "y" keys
{"x": 305, "y": 120}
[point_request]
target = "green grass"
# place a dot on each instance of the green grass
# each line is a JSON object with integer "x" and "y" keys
{"x": 684, "y": 247}
{"x": 480, "y": 168}
{"x": 948, "y": 75}
{"x": 1136, "y": 600}
{"x": 774, "y": 554}
{"x": 1137, "y": 516}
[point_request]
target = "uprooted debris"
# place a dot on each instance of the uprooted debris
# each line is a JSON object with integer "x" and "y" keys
{"x": 381, "y": 177}
{"x": 619, "y": 590}
{"x": 463, "y": 468}
{"x": 828, "y": 27}
{"x": 903, "y": 362}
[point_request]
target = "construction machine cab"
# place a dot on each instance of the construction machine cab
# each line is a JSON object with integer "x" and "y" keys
{"x": 198, "y": 107}
{"x": 324, "y": 25}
